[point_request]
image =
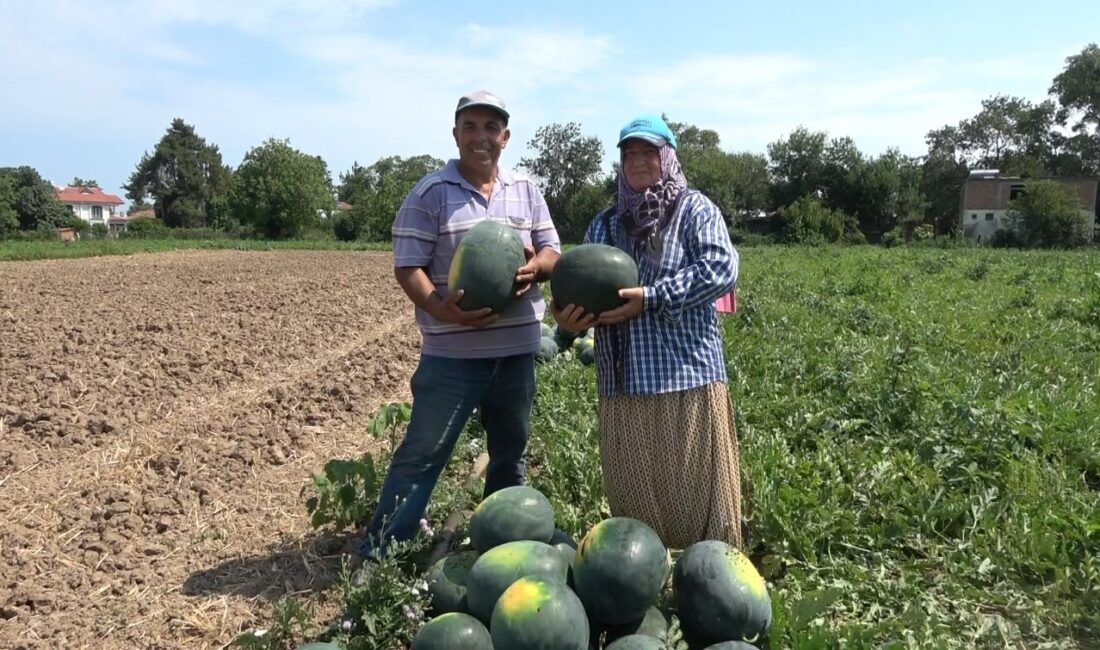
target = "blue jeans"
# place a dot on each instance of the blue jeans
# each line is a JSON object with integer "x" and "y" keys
{"x": 445, "y": 393}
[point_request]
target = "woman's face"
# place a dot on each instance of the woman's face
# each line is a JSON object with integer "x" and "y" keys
{"x": 641, "y": 164}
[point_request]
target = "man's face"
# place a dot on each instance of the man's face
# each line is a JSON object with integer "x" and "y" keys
{"x": 480, "y": 134}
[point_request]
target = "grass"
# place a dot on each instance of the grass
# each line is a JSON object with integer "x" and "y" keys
{"x": 11, "y": 250}
{"x": 918, "y": 432}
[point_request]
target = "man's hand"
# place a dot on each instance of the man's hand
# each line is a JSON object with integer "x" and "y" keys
{"x": 572, "y": 318}
{"x": 447, "y": 310}
{"x": 635, "y": 301}
{"x": 526, "y": 274}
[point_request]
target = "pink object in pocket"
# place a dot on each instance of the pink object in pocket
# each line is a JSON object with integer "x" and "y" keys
{"x": 727, "y": 304}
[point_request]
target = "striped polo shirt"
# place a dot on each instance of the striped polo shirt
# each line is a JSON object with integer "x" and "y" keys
{"x": 441, "y": 208}
{"x": 675, "y": 344}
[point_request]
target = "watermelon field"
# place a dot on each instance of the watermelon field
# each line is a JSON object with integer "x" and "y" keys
{"x": 919, "y": 439}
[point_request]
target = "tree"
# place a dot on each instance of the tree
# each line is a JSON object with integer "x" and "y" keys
{"x": 565, "y": 162}
{"x": 943, "y": 173}
{"x": 280, "y": 190}
{"x": 797, "y": 166}
{"x": 377, "y": 192}
{"x": 736, "y": 182}
{"x": 1049, "y": 214}
{"x": 9, "y": 219}
{"x": 185, "y": 177}
{"x": 80, "y": 182}
{"x": 583, "y": 206}
{"x": 32, "y": 199}
{"x": 1078, "y": 90}
{"x": 1009, "y": 134}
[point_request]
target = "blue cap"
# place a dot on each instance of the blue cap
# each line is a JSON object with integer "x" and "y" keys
{"x": 651, "y": 128}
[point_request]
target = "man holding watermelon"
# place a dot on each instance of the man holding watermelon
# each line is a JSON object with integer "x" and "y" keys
{"x": 668, "y": 448}
{"x": 471, "y": 357}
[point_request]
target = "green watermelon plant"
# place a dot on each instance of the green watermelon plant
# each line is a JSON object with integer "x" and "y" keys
{"x": 344, "y": 494}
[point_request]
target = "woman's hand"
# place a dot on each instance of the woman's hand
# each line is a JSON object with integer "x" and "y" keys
{"x": 635, "y": 302}
{"x": 572, "y": 318}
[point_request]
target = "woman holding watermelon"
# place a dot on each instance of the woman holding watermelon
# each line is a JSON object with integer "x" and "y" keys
{"x": 668, "y": 447}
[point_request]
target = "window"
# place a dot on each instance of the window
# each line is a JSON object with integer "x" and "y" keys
{"x": 97, "y": 213}
{"x": 989, "y": 216}
{"x": 973, "y": 216}
{"x": 1015, "y": 191}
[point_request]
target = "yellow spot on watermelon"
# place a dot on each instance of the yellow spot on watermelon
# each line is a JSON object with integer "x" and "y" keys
{"x": 746, "y": 573}
{"x": 523, "y": 597}
{"x": 456, "y": 267}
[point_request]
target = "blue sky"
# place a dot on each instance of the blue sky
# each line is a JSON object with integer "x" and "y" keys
{"x": 91, "y": 85}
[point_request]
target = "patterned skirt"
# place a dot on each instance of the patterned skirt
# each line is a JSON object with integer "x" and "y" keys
{"x": 671, "y": 460}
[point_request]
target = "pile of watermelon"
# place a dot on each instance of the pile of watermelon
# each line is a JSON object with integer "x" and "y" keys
{"x": 521, "y": 583}
{"x": 556, "y": 341}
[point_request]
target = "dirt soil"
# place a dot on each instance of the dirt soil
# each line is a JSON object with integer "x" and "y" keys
{"x": 159, "y": 415}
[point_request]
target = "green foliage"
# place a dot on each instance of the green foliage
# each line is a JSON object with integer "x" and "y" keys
{"x": 389, "y": 418}
{"x": 376, "y": 194}
{"x": 565, "y": 162}
{"x": 929, "y": 461}
{"x": 345, "y": 494}
{"x": 348, "y": 226}
{"x": 1049, "y": 215}
{"x": 81, "y": 182}
{"x": 583, "y": 206}
{"x": 290, "y": 624}
{"x": 184, "y": 176}
{"x": 807, "y": 221}
{"x": 563, "y": 456}
{"x": 1078, "y": 90}
{"x": 386, "y": 602}
{"x": 797, "y": 166}
{"x": 146, "y": 228}
{"x": 279, "y": 190}
{"x": 31, "y": 199}
{"x": 736, "y": 182}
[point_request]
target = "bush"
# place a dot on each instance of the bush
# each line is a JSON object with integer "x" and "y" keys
{"x": 892, "y": 238}
{"x": 146, "y": 228}
{"x": 1049, "y": 215}
{"x": 808, "y": 221}
{"x": 347, "y": 226}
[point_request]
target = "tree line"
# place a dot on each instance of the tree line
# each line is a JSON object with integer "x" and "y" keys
{"x": 809, "y": 186}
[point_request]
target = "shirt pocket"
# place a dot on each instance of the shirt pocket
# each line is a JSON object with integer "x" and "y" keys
{"x": 519, "y": 222}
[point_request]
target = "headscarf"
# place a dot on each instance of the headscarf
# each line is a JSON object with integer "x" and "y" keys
{"x": 646, "y": 213}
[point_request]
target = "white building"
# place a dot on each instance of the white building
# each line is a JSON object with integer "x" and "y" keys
{"x": 93, "y": 205}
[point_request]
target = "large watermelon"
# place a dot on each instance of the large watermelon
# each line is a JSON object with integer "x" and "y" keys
{"x": 719, "y": 594}
{"x": 484, "y": 266}
{"x": 453, "y": 631}
{"x": 447, "y": 582}
{"x": 732, "y": 645}
{"x": 510, "y": 514}
{"x": 496, "y": 569}
{"x": 590, "y": 276}
{"x": 636, "y": 642}
{"x": 536, "y": 613}
{"x": 619, "y": 570}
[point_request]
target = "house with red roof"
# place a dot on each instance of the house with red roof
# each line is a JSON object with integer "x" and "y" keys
{"x": 93, "y": 205}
